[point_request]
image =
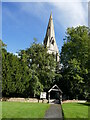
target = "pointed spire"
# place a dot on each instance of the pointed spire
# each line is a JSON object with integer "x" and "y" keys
{"x": 49, "y": 40}
{"x": 50, "y": 20}
{"x": 51, "y": 15}
{"x": 50, "y": 31}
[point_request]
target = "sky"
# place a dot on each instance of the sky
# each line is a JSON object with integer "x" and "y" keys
{"x": 24, "y": 21}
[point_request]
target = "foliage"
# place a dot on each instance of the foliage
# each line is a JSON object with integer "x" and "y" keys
{"x": 3, "y": 45}
{"x": 34, "y": 70}
{"x": 15, "y": 75}
{"x": 27, "y": 74}
{"x": 42, "y": 65}
{"x": 74, "y": 57}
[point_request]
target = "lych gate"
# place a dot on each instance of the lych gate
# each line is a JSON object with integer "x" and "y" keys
{"x": 55, "y": 94}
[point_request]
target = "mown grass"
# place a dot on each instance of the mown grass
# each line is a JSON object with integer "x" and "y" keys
{"x": 76, "y": 110}
{"x": 23, "y": 110}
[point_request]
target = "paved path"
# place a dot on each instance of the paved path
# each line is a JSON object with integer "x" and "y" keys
{"x": 54, "y": 112}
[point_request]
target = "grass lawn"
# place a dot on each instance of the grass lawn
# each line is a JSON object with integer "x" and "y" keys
{"x": 75, "y": 110}
{"x": 23, "y": 110}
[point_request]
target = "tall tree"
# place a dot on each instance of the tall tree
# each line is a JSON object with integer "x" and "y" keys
{"x": 74, "y": 57}
{"x": 29, "y": 73}
{"x": 15, "y": 76}
{"x": 42, "y": 65}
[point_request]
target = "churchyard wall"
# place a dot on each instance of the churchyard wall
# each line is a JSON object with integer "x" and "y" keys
{"x": 70, "y": 101}
{"x": 33, "y": 100}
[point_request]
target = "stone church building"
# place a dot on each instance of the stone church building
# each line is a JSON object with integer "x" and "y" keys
{"x": 50, "y": 41}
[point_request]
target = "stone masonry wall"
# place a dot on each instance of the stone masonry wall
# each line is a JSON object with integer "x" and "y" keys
{"x": 33, "y": 100}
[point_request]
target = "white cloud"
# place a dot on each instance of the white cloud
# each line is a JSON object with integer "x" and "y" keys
{"x": 43, "y": 0}
{"x": 71, "y": 14}
{"x": 36, "y": 9}
{"x": 67, "y": 14}
{"x": 15, "y": 54}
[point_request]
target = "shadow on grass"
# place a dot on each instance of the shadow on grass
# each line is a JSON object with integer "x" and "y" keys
{"x": 32, "y": 119}
{"x": 45, "y": 119}
{"x": 75, "y": 118}
{"x": 86, "y": 104}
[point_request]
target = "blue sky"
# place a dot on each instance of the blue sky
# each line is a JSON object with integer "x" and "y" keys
{"x": 23, "y": 21}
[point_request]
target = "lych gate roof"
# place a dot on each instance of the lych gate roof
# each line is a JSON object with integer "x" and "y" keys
{"x": 55, "y": 88}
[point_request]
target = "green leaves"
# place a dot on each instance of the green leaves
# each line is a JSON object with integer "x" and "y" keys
{"x": 29, "y": 73}
{"x": 42, "y": 66}
{"x": 74, "y": 57}
{"x": 14, "y": 75}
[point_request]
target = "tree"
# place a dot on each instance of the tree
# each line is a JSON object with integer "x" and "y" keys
{"x": 15, "y": 76}
{"x": 42, "y": 66}
{"x": 74, "y": 57}
{"x": 27, "y": 74}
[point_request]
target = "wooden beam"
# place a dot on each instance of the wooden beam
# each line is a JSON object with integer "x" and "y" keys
{"x": 56, "y": 90}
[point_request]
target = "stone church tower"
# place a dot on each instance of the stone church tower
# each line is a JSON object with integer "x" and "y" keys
{"x": 50, "y": 41}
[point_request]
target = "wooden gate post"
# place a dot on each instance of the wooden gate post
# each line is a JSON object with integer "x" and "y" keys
{"x": 48, "y": 97}
{"x": 61, "y": 99}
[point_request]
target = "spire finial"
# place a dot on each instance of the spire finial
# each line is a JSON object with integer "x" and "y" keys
{"x": 51, "y": 15}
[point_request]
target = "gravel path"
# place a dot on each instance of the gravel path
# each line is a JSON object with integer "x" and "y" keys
{"x": 54, "y": 111}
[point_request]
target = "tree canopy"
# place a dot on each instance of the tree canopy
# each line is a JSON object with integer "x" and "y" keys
{"x": 35, "y": 70}
{"x": 74, "y": 57}
{"x": 29, "y": 73}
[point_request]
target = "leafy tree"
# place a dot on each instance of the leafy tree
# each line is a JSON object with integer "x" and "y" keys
{"x": 74, "y": 57}
{"x": 15, "y": 75}
{"x": 42, "y": 65}
{"x": 29, "y": 73}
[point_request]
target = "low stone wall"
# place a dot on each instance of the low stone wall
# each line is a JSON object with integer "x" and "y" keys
{"x": 23, "y": 100}
{"x": 33, "y": 100}
{"x": 70, "y": 101}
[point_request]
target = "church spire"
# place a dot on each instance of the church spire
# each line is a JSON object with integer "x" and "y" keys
{"x": 51, "y": 15}
{"x": 50, "y": 41}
